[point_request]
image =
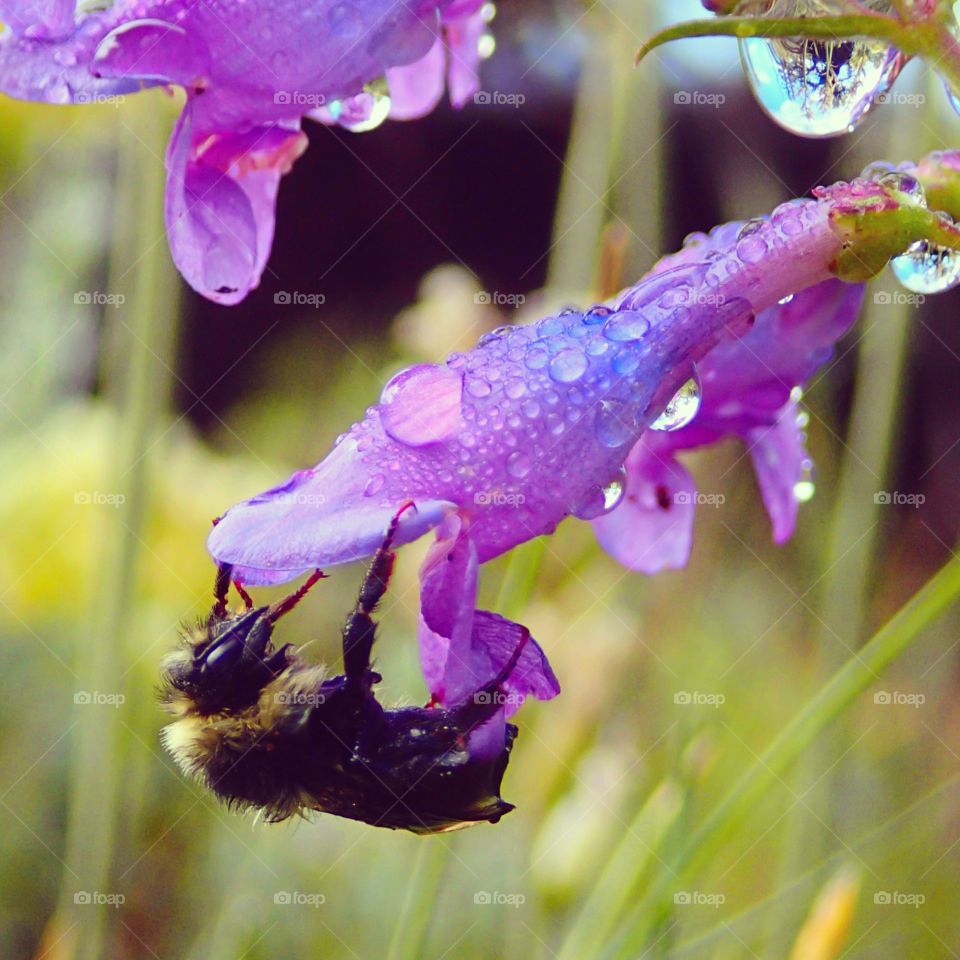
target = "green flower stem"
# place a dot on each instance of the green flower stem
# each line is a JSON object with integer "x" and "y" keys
{"x": 136, "y": 375}
{"x": 861, "y": 670}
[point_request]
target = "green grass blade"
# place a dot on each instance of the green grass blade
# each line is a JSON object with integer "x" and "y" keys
{"x": 847, "y": 683}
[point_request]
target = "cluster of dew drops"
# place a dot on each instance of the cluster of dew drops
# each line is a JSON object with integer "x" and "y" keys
{"x": 813, "y": 88}
{"x": 823, "y": 88}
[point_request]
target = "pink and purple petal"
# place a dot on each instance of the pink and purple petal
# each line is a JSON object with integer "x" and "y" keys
{"x": 652, "y": 528}
{"x": 220, "y": 204}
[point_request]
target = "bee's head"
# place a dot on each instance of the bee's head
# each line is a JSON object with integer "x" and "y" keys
{"x": 224, "y": 667}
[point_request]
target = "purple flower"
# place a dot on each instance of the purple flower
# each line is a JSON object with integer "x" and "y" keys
{"x": 542, "y": 421}
{"x": 251, "y": 71}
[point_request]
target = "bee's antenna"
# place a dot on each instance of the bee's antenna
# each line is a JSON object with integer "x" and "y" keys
{"x": 281, "y": 607}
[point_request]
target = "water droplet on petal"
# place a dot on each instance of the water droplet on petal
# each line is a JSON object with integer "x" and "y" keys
{"x": 615, "y": 423}
{"x": 366, "y": 111}
{"x": 783, "y": 301}
{"x": 568, "y": 366}
{"x": 421, "y": 405}
{"x": 374, "y": 485}
{"x": 596, "y": 314}
{"x": 478, "y": 387}
{"x": 514, "y": 388}
{"x": 681, "y": 409}
{"x": 625, "y": 326}
{"x": 803, "y": 490}
{"x": 518, "y": 464}
{"x": 816, "y": 87}
{"x": 927, "y": 267}
{"x": 613, "y": 492}
{"x": 906, "y": 183}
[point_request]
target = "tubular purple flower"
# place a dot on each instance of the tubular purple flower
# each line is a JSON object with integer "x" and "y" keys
{"x": 251, "y": 71}
{"x": 539, "y": 422}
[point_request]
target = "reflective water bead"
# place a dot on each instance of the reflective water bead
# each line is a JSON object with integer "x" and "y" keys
{"x": 374, "y": 485}
{"x": 514, "y": 388}
{"x": 877, "y": 169}
{"x": 905, "y": 183}
{"x": 752, "y": 248}
{"x": 596, "y": 314}
{"x": 549, "y": 326}
{"x": 614, "y": 491}
{"x": 816, "y": 87}
{"x": 537, "y": 358}
{"x": 681, "y": 409}
{"x": 477, "y": 387}
{"x": 626, "y": 361}
{"x": 519, "y": 464}
{"x": 927, "y": 267}
{"x": 568, "y": 366}
{"x": 615, "y": 424}
{"x": 625, "y": 326}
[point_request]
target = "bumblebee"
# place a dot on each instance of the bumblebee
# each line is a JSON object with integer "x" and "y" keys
{"x": 266, "y": 731}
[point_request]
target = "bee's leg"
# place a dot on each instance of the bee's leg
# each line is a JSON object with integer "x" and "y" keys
{"x": 281, "y": 607}
{"x": 221, "y": 587}
{"x": 484, "y": 702}
{"x": 359, "y": 631}
{"x": 244, "y": 596}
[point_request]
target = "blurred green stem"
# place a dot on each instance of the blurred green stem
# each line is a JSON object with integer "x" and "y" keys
{"x": 409, "y": 938}
{"x": 139, "y": 338}
{"x": 845, "y": 685}
{"x": 852, "y": 542}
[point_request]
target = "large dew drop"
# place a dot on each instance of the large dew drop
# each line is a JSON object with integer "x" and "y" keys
{"x": 815, "y": 87}
{"x": 927, "y": 267}
{"x": 601, "y": 500}
{"x": 681, "y": 409}
{"x": 422, "y": 405}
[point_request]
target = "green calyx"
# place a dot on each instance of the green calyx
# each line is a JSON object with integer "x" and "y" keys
{"x": 874, "y": 229}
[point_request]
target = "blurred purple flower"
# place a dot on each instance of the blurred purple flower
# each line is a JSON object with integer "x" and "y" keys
{"x": 251, "y": 71}
{"x": 541, "y": 421}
